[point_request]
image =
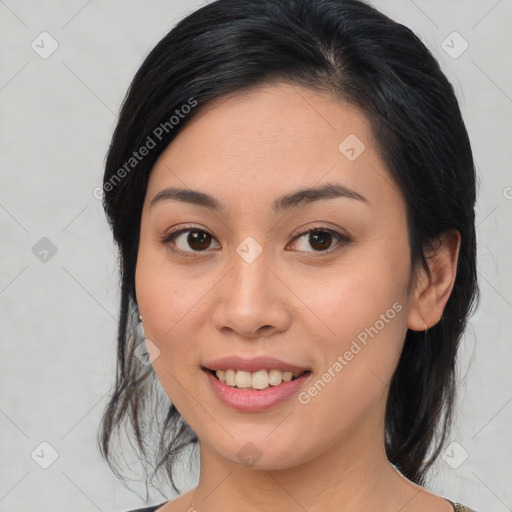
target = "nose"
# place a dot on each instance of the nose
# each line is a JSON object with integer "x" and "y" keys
{"x": 252, "y": 301}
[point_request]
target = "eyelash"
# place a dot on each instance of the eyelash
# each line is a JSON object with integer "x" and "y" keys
{"x": 169, "y": 237}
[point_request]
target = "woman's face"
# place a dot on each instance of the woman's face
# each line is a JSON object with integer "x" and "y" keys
{"x": 246, "y": 279}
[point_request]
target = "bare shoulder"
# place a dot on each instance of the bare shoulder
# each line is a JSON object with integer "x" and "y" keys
{"x": 416, "y": 498}
{"x": 437, "y": 503}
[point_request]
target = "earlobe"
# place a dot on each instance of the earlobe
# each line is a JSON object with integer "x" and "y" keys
{"x": 431, "y": 293}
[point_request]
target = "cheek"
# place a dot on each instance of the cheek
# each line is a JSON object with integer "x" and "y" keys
{"x": 163, "y": 300}
{"x": 367, "y": 325}
{"x": 173, "y": 303}
{"x": 170, "y": 304}
{"x": 165, "y": 292}
{"x": 166, "y": 311}
{"x": 358, "y": 361}
{"x": 363, "y": 303}
{"x": 353, "y": 295}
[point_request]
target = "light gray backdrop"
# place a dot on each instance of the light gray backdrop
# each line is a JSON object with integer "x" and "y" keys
{"x": 58, "y": 281}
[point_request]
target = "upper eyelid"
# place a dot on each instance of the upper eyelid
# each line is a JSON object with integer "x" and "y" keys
{"x": 307, "y": 229}
{"x": 204, "y": 230}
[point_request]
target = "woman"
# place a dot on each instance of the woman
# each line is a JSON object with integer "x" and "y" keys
{"x": 291, "y": 187}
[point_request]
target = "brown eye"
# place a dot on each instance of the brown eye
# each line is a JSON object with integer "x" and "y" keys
{"x": 188, "y": 241}
{"x": 199, "y": 240}
{"x": 320, "y": 240}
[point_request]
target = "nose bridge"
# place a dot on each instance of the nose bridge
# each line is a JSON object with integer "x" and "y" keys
{"x": 250, "y": 280}
{"x": 251, "y": 298}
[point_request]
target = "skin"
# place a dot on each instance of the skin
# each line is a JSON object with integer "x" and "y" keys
{"x": 246, "y": 150}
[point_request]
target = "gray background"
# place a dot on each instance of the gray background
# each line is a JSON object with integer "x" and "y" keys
{"x": 59, "y": 310}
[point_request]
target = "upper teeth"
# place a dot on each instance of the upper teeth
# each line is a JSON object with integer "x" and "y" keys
{"x": 258, "y": 380}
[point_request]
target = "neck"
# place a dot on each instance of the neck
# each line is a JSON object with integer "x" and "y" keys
{"x": 352, "y": 474}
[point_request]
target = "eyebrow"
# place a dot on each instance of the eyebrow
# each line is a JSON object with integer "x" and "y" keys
{"x": 301, "y": 197}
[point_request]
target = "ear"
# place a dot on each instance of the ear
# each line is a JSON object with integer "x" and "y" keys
{"x": 431, "y": 293}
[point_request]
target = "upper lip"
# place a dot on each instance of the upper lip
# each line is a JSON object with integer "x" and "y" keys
{"x": 252, "y": 364}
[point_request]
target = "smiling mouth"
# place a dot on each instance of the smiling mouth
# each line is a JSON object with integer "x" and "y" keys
{"x": 255, "y": 381}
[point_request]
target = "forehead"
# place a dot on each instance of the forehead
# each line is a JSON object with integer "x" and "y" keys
{"x": 266, "y": 141}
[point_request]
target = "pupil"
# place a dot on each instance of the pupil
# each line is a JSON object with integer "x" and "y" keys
{"x": 198, "y": 237}
{"x": 322, "y": 237}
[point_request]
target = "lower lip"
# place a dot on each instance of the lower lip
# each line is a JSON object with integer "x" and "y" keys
{"x": 253, "y": 401}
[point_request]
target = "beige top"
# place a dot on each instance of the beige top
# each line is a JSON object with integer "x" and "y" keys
{"x": 457, "y": 507}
